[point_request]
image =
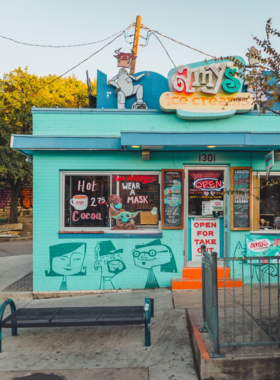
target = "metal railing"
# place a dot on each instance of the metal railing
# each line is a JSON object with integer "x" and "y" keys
{"x": 242, "y": 307}
{"x": 210, "y": 299}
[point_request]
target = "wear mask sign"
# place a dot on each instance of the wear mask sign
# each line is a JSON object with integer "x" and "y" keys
{"x": 135, "y": 196}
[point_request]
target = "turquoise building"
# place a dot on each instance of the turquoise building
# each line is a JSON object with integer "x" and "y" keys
{"x": 124, "y": 198}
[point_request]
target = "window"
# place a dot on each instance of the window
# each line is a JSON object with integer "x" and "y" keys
{"x": 205, "y": 192}
{"x": 110, "y": 201}
{"x": 267, "y": 209}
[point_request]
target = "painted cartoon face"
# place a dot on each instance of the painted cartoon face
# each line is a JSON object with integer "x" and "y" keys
{"x": 111, "y": 264}
{"x": 69, "y": 263}
{"x": 124, "y": 63}
{"x": 148, "y": 257}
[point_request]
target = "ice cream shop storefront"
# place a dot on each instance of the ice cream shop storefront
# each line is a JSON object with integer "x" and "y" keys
{"x": 125, "y": 194}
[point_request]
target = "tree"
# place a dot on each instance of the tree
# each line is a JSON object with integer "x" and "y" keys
{"x": 263, "y": 74}
{"x": 19, "y": 91}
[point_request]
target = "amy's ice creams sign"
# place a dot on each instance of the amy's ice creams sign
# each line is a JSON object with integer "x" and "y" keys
{"x": 205, "y": 231}
{"x": 206, "y": 90}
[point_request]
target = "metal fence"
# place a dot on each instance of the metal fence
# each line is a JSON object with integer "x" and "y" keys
{"x": 241, "y": 306}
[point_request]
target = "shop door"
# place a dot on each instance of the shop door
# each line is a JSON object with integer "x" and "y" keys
{"x": 206, "y": 211}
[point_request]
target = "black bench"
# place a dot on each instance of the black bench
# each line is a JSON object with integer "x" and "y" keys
{"x": 77, "y": 316}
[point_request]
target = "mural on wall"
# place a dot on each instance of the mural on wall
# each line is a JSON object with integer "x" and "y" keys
{"x": 239, "y": 250}
{"x": 26, "y": 197}
{"x": 263, "y": 247}
{"x": 123, "y": 81}
{"x": 108, "y": 258}
{"x": 67, "y": 259}
{"x": 151, "y": 255}
{"x": 104, "y": 266}
{"x": 5, "y": 198}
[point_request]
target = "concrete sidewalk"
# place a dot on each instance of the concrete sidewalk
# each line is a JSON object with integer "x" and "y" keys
{"x": 16, "y": 248}
{"x": 13, "y": 268}
{"x": 242, "y": 363}
{"x": 54, "y": 349}
{"x": 84, "y": 374}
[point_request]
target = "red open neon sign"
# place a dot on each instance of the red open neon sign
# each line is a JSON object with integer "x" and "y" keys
{"x": 208, "y": 184}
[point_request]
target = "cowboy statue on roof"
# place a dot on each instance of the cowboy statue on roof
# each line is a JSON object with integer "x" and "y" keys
{"x": 123, "y": 81}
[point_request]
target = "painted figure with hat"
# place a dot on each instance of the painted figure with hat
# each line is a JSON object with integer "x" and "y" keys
{"x": 151, "y": 255}
{"x": 123, "y": 81}
{"x": 108, "y": 258}
{"x": 67, "y": 259}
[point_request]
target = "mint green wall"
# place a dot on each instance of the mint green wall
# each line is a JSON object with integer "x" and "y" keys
{"x": 47, "y": 167}
{"x": 86, "y": 122}
{"x": 105, "y": 123}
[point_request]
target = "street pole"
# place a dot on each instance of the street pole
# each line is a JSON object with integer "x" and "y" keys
{"x": 135, "y": 43}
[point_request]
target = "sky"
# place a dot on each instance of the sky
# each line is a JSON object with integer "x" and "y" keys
{"x": 219, "y": 28}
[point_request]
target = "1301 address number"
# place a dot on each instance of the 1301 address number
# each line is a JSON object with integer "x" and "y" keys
{"x": 207, "y": 157}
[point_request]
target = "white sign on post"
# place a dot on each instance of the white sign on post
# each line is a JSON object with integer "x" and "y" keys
{"x": 205, "y": 231}
{"x": 269, "y": 162}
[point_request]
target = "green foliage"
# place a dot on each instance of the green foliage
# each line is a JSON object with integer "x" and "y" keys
{"x": 19, "y": 92}
{"x": 264, "y": 77}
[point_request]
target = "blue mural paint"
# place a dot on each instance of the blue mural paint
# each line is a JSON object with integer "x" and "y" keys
{"x": 67, "y": 259}
{"x": 108, "y": 259}
{"x": 153, "y": 254}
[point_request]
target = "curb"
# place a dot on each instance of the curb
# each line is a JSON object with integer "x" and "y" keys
{"x": 62, "y": 294}
{"x": 26, "y": 296}
{"x": 229, "y": 368}
{"x": 17, "y": 296}
{"x": 16, "y": 238}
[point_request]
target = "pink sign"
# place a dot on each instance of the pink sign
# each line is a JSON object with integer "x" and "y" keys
{"x": 205, "y": 231}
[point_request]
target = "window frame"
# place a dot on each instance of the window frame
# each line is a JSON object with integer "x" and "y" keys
{"x": 259, "y": 174}
{"x": 110, "y": 174}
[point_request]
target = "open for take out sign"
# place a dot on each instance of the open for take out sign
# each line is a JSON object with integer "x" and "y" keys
{"x": 205, "y": 231}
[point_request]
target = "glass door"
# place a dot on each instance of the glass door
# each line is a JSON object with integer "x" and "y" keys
{"x": 206, "y": 208}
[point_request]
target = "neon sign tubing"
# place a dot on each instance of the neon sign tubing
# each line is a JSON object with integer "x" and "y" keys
{"x": 211, "y": 179}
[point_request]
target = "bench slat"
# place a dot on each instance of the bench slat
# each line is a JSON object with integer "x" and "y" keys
{"x": 80, "y": 316}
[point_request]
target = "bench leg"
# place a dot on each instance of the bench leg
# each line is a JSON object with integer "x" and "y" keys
{"x": 2, "y": 309}
{"x": 147, "y": 309}
{"x": 147, "y": 333}
{"x": 152, "y": 307}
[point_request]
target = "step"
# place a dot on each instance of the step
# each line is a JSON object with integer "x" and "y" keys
{"x": 196, "y": 272}
{"x": 182, "y": 283}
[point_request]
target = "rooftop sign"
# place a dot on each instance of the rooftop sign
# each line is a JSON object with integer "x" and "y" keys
{"x": 206, "y": 90}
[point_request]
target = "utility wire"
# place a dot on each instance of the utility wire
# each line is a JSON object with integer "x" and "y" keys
{"x": 180, "y": 43}
{"x": 72, "y": 68}
{"x": 148, "y": 37}
{"x": 61, "y": 46}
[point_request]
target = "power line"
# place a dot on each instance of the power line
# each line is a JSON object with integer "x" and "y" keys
{"x": 180, "y": 43}
{"x": 72, "y": 68}
{"x": 61, "y": 46}
{"x": 163, "y": 48}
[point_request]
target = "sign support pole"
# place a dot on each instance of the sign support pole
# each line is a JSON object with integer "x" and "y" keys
{"x": 135, "y": 43}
